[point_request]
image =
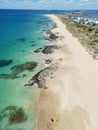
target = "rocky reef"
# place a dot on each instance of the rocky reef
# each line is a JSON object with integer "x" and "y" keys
{"x": 47, "y": 49}
{"x": 13, "y": 114}
{"x": 32, "y": 45}
{"x": 9, "y": 76}
{"x": 27, "y": 66}
{"x": 41, "y": 76}
{"x": 5, "y": 62}
{"x": 50, "y": 35}
{"x": 30, "y": 66}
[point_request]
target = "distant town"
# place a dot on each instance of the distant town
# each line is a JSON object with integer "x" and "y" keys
{"x": 77, "y": 17}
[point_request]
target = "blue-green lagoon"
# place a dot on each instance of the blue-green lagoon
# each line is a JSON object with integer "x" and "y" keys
{"x": 20, "y": 34}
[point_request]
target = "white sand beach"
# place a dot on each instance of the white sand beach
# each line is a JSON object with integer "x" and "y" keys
{"x": 71, "y": 100}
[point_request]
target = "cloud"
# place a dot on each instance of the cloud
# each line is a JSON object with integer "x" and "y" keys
{"x": 88, "y": 4}
{"x": 49, "y": 4}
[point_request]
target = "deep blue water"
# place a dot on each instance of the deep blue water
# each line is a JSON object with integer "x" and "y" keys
{"x": 91, "y": 13}
{"x": 13, "y": 12}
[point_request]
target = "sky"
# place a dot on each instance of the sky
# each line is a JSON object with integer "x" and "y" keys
{"x": 49, "y": 4}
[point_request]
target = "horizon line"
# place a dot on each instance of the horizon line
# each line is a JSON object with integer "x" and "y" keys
{"x": 45, "y": 9}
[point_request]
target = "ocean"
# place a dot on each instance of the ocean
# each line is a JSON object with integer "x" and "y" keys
{"x": 21, "y": 32}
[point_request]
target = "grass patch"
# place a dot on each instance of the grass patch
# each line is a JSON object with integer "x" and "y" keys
{"x": 96, "y": 40}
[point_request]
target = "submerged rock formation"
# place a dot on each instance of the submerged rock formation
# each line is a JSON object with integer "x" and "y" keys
{"x": 9, "y": 76}
{"x": 32, "y": 45}
{"x": 5, "y": 62}
{"x": 30, "y": 66}
{"x": 27, "y": 66}
{"x": 13, "y": 114}
{"x": 21, "y": 39}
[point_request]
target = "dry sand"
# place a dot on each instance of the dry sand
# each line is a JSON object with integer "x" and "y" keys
{"x": 71, "y": 100}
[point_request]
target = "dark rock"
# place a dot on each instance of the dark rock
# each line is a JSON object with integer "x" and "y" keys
{"x": 13, "y": 115}
{"x": 52, "y": 119}
{"x": 5, "y": 62}
{"x": 57, "y": 32}
{"x": 18, "y": 116}
{"x": 27, "y": 66}
{"x": 18, "y": 69}
{"x": 38, "y": 50}
{"x": 53, "y": 36}
{"x": 48, "y": 61}
{"x": 24, "y": 75}
{"x": 9, "y": 76}
{"x": 21, "y": 39}
{"x": 11, "y": 108}
{"x": 50, "y": 35}
{"x": 40, "y": 77}
{"x": 45, "y": 87}
{"x": 47, "y": 49}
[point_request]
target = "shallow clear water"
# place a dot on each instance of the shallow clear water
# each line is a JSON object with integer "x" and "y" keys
{"x": 29, "y": 27}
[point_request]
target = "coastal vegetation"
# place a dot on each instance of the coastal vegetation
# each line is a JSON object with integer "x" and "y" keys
{"x": 87, "y": 35}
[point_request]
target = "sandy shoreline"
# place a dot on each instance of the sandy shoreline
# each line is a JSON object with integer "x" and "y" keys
{"x": 70, "y": 102}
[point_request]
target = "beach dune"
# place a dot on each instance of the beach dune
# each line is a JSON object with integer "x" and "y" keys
{"x": 71, "y": 100}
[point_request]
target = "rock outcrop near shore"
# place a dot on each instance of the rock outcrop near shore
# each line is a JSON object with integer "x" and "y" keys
{"x": 47, "y": 49}
{"x": 50, "y": 35}
{"x": 41, "y": 76}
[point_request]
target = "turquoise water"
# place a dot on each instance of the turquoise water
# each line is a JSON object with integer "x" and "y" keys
{"x": 12, "y": 91}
